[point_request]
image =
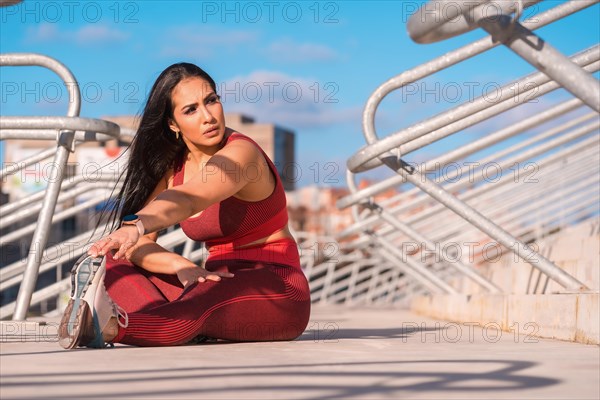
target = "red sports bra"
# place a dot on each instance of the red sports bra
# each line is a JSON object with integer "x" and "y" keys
{"x": 233, "y": 220}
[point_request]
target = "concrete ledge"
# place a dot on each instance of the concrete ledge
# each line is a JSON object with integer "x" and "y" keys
{"x": 588, "y": 319}
{"x": 549, "y": 316}
{"x": 571, "y": 317}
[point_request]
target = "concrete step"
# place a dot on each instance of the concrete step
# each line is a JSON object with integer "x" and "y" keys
{"x": 574, "y": 317}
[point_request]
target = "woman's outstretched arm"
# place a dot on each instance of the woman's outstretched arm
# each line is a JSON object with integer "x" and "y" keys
{"x": 225, "y": 174}
{"x": 151, "y": 256}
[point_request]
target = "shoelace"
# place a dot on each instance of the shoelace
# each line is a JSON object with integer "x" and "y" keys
{"x": 119, "y": 312}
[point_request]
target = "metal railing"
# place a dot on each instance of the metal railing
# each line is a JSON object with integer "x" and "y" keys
{"x": 65, "y": 131}
{"x": 437, "y": 209}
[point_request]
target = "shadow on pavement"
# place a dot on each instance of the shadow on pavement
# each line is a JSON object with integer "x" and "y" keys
{"x": 434, "y": 376}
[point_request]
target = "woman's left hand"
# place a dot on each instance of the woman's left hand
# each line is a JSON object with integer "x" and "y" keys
{"x": 190, "y": 275}
{"x": 122, "y": 240}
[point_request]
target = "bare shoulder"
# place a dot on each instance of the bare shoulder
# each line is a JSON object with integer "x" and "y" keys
{"x": 241, "y": 151}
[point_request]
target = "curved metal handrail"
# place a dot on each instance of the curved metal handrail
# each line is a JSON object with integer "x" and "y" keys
{"x": 463, "y": 116}
{"x": 41, "y": 60}
{"x": 470, "y": 148}
{"x": 439, "y": 20}
{"x": 45, "y": 128}
{"x": 451, "y": 58}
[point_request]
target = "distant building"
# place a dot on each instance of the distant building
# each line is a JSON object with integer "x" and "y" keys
{"x": 313, "y": 209}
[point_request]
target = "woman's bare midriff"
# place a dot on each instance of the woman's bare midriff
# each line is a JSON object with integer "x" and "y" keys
{"x": 280, "y": 234}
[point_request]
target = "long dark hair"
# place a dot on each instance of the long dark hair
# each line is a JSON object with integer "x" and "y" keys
{"x": 155, "y": 148}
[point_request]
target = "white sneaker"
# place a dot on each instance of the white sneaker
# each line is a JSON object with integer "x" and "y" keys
{"x": 90, "y": 307}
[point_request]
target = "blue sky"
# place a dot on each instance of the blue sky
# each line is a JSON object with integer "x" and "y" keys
{"x": 306, "y": 65}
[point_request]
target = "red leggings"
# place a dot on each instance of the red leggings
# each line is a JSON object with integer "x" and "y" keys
{"x": 264, "y": 301}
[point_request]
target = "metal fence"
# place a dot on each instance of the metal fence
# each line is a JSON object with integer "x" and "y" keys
{"x": 432, "y": 235}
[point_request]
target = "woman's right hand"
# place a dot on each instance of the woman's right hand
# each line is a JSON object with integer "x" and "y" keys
{"x": 192, "y": 274}
{"x": 122, "y": 240}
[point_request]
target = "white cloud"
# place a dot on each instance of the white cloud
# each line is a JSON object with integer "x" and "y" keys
{"x": 196, "y": 40}
{"x": 85, "y": 35}
{"x": 99, "y": 33}
{"x": 42, "y": 33}
{"x": 287, "y": 50}
{"x": 295, "y": 102}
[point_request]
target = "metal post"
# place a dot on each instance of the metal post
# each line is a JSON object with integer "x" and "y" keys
{"x": 40, "y": 235}
{"x": 429, "y": 245}
{"x": 406, "y": 229}
{"x": 411, "y": 267}
{"x": 416, "y": 270}
{"x": 544, "y": 57}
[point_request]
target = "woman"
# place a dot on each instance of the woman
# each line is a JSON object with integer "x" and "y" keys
{"x": 186, "y": 167}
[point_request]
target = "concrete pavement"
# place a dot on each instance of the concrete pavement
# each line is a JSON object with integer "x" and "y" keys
{"x": 345, "y": 353}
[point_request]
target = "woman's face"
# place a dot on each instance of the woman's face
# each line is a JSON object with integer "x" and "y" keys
{"x": 197, "y": 113}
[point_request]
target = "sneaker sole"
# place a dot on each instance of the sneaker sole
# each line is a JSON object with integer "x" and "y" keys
{"x": 74, "y": 325}
{"x": 82, "y": 274}
{"x": 78, "y": 315}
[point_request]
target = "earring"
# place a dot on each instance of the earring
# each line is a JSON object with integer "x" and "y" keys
{"x": 177, "y": 135}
